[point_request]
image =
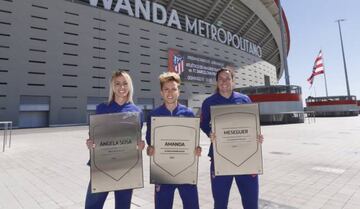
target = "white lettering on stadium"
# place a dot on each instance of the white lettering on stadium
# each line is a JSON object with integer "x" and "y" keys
{"x": 157, "y": 13}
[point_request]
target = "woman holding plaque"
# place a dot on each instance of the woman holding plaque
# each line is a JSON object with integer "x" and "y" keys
{"x": 247, "y": 184}
{"x": 164, "y": 193}
{"x": 120, "y": 100}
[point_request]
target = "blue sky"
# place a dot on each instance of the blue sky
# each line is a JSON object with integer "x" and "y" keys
{"x": 313, "y": 27}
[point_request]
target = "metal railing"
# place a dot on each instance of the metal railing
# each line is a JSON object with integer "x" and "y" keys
{"x": 7, "y": 128}
{"x": 310, "y": 116}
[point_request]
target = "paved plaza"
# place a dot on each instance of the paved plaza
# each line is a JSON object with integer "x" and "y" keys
{"x": 309, "y": 165}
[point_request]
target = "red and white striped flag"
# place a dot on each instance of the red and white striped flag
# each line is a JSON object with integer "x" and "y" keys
{"x": 317, "y": 69}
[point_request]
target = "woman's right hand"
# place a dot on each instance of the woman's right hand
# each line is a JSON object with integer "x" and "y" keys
{"x": 90, "y": 143}
{"x": 150, "y": 150}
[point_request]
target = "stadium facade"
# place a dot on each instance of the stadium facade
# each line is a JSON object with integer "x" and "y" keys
{"x": 56, "y": 56}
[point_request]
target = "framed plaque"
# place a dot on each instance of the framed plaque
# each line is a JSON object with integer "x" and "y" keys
{"x": 174, "y": 140}
{"x": 236, "y": 150}
{"x": 116, "y": 163}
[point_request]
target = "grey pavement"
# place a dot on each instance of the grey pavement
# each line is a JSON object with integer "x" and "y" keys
{"x": 310, "y": 166}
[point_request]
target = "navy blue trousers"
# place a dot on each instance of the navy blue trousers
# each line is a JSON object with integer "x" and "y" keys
{"x": 97, "y": 200}
{"x": 248, "y": 186}
{"x": 164, "y": 196}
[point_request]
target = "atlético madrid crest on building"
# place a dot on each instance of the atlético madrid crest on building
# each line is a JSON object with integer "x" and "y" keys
{"x": 176, "y": 62}
{"x": 194, "y": 67}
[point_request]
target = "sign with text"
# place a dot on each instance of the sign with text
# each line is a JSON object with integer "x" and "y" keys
{"x": 236, "y": 149}
{"x": 160, "y": 14}
{"x": 174, "y": 140}
{"x": 194, "y": 68}
{"x": 116, "y": 163}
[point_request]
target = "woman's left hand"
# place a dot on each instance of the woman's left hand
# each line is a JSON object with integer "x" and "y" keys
{"x": 260, "y": 138}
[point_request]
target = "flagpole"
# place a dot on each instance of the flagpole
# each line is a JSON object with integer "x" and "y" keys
{"x": 323, "y": 63}
{"x": 343, "y": 55}
{"x": 325, "y": 85}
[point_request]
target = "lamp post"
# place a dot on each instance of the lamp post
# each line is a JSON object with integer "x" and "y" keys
{"x": 343, "y": 55}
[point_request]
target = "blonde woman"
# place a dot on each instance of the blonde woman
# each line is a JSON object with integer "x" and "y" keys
{"x": 120, "y": 100}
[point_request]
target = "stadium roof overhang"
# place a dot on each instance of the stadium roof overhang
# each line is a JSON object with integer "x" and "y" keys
{"x": 254, "y": 20}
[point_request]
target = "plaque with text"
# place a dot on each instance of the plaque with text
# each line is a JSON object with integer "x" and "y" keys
{"x": 116, "y": 163}
{"x": 174, "y": 140}
{"x": 236, "y": 149}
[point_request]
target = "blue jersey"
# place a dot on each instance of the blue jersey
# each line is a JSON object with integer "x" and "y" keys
{"x": 113, "y": 107}
{"x": 179, "y": 111}
{"x": 217, "y": 99}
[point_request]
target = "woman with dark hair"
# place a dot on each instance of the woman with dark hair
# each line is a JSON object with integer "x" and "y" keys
{"x": 248, "y": 185}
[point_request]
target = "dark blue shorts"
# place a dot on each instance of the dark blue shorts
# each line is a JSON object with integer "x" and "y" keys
{"x": 248, "y": 186}
{"x": 164, "y": 196}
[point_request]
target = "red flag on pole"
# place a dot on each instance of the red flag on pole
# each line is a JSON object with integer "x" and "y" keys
{"x": 317, "y": 69}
